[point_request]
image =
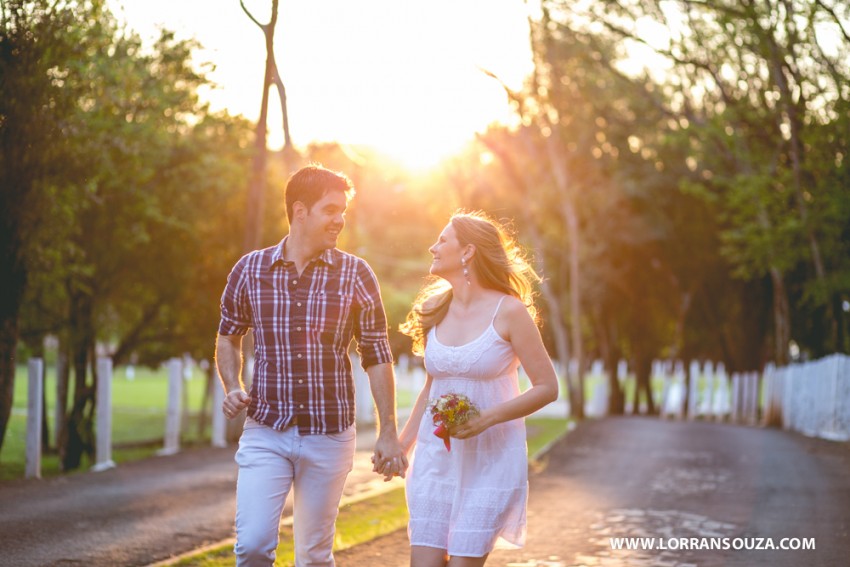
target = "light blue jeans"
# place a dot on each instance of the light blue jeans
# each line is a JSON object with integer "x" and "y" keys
{"x": 270, "y": 464}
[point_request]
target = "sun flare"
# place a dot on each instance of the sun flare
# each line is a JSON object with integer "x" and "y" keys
{"x": 401, "y": 77}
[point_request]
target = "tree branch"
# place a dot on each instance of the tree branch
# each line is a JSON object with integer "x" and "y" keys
{"x": 251, "y": 16}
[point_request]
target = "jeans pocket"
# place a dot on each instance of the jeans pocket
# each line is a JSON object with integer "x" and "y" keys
{"x": 343, "y": 436}
{"x": 252, "y": 424}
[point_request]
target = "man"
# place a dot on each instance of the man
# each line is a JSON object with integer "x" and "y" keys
{"x": 305, "y": 300}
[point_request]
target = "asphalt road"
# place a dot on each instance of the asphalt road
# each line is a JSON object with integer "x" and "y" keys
{"x": 137, "y": 513}
{"x": 619, "y": 477}
{"x": 699, "y": 483}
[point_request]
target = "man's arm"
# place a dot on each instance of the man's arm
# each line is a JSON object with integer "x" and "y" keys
{"x": 228, "y": 358}
{"x": 389, "y": 459}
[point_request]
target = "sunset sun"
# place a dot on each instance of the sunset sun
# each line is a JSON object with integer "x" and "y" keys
{"x": 402, "y": 78}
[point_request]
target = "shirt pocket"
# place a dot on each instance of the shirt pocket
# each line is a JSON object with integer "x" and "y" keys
{"x": 330, "y": 312}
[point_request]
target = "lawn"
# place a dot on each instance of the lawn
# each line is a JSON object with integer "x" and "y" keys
{"x": 139, "y": 401}
{"x": 140, "y": 398}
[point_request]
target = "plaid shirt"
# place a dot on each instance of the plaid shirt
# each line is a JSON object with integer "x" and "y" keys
{"x": 303, "y": 325}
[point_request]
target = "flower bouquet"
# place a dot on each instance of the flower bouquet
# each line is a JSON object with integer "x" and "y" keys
{"x": 448, "y": 410}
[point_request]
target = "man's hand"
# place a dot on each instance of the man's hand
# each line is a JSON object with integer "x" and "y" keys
{"x": 234, "y": 402}
{"x": 389, "y": 459}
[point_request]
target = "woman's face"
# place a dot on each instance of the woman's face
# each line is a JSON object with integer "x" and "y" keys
{"x": 447, "y": 253}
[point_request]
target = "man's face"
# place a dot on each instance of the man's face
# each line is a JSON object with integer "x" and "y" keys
{"x": 325, "y": 220}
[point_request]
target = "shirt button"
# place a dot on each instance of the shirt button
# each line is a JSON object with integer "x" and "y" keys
{"x": 301, "y": 406}
{"x": 299, "y": 355}
{"x": 297, "y": 328}
{"x": 294, "y": 282}
{"x": 298, "y": 304}
{"x": 301, "y": 381}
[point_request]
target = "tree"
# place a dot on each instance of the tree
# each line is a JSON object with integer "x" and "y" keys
{"x": 750, "y": 92}
{"x": 129, "y": 179}
{"x": 36, "y": 42}
{"x": 257, "y": 186}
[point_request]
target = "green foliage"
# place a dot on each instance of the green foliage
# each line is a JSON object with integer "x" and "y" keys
{"x": 128, "y": 199}
{"x": 728, "y": 164}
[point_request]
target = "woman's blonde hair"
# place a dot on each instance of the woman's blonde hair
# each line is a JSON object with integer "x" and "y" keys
{"x": 499, "y": 263}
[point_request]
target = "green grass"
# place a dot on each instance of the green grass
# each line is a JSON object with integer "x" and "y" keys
{"x": 371, "y": 518}
{"x": 138, "y": 418}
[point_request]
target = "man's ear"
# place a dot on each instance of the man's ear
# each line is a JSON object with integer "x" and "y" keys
{"x": 299, "y": 211}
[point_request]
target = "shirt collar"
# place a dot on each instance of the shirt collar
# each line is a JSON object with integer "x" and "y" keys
{"x": 327, "y": 256}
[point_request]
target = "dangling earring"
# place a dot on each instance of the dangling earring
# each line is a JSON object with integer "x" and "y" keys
{"x": 465, "y": 271}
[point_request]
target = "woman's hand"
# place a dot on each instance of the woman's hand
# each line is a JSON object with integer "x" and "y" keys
{"x": 475, "y": 426}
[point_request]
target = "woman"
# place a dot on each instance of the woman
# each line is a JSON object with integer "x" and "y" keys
{"x": 475, "y": 325}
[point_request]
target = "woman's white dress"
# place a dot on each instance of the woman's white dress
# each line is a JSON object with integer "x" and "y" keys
{"x": 468, "y": 499}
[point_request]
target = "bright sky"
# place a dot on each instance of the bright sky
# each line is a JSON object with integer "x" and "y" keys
{"x": 399, "y": 76}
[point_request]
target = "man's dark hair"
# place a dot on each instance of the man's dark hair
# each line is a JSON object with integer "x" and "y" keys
{"x": 310, "y": 183}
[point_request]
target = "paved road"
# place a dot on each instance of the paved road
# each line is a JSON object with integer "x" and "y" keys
{"x": 138, "y": 513}
{"x": 642, "y": 477}
{"x": 618, "y": 477}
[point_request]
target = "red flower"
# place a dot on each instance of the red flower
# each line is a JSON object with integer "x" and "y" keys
{"x": 450, "y": 409}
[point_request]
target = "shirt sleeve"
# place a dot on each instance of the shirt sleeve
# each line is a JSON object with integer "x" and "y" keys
{"x": 370, "y": 330}
{"x": 236, "y": 311}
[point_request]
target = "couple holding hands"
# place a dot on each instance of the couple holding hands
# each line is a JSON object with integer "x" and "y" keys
{"x": 475, "y": 324}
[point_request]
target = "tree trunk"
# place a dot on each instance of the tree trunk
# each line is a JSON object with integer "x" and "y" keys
{"x": 63, "y": 375}
{"x": 643, "y": 382}
{"x": 550, "y": 296}
{"x": 77, "y": 436}
{"x": 257, "y": 186}
{"x": 39, "y": 352}
{"x": 686, "y": 402}
{"x": 781, "y": 318}
{"x": 779, "y": 58}
{"x": 14, "y": 281}
{"x": 8, "y": 344}
{"x": 568, "y": 212}
{"x": 610, "y": 359}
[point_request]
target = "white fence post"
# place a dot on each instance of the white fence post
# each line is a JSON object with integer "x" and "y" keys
{"x": 219, "y": 425}
{"x": 709, "y": 375}
{"x": 814, "y": 397}
{"x": 364, "y": 405}
{"x": 597, "y": 404}
{"x": 736, "y": 397}
{"x": 674, "y": 402}
{"x": 35, "y": 370}
{"x": 755, "y": 390}
{"x": 175, "y": 397}
{"x": 829, "y": 426}
{"x": 103, "y": 448}
{"x": 720, "y": 405}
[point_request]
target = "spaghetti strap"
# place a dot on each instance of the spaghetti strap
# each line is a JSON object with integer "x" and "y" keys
{"x": 496, "y": 312}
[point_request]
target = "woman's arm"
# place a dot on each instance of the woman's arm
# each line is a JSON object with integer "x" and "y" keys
{"x": 516, "y": 325}
{"x": 411, "y": 428}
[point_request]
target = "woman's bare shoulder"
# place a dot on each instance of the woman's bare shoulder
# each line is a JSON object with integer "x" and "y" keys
{"x": 513, "y": 307}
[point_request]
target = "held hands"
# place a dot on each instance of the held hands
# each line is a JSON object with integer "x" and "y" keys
{"x": 390, "y": 459}
{"x": 234, "y": 402}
